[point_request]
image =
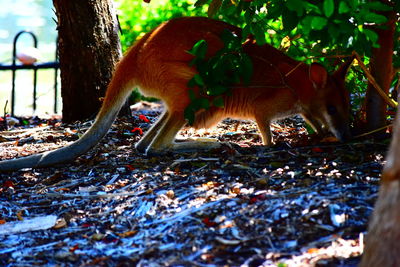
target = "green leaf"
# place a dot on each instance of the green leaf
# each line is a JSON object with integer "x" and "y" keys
{"x": 198, "y": 80}
{"x": 289, "y": 20}
{"x": 306, "y": 24}
{"x": 375, "y": 18}
{"x": 192, "y": 83}
{"x": 309, "y": 128}
{"x": 353, "y": 3}
{"x": 248, "y": 17}
{"x": 246, "y": 31}
{"x": 328, "y": 7}
{"x": 295, "y": 6}
{"x": 230, "y": 10}
{"x": 227, "y": 36}
{"x": 217, "y": 90}
{"x": 189, "y": 114}
{"x": 377, "y": 6}
{"x": 371, "y": 35}
{"x": 219, "y": 102}
{"x": 333, "y": 32}
{"x": 311, "y": 8}
{"x": 246, "y": 68}
{"x": 275, "y": 10}
{"x": 192, "y": 95}
{"x": 199, "y": 49}
{"x": 202, "y": 67}
{"x": 258, "y": 33}
{"x": 397, "y": 6}
{"x": 231, "y": 41}
{"x": 200, "y": 3}
{"x": 318, "y": 23}
{"x": 203, "y": 103}
{"x": 343, "y": 7}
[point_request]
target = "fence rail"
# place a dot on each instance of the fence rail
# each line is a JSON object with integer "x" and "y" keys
{"x": 14, "y": 67}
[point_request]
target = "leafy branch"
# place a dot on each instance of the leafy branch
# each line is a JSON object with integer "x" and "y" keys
{"x": 216, "y": 74}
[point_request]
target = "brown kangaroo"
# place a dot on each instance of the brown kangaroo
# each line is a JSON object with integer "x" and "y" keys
{"x": 158, "y": 65}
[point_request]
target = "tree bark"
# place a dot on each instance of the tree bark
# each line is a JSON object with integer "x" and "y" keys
{"x": 383, "y": 239}
{"x": 89, "y": 48}
{"x": 381, "y": 67}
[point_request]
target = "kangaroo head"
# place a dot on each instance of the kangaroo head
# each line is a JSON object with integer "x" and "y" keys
{"x": 331, "y": 102}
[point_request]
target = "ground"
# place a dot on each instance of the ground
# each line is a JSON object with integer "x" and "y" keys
{"x": 302, "y": 202}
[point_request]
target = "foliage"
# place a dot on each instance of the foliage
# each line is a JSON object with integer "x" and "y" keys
{"x": 217, "y": 74}
{"x": 334, "y": 26}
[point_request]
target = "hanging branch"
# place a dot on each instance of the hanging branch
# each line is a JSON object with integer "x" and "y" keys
{"x": 371, "y": 79}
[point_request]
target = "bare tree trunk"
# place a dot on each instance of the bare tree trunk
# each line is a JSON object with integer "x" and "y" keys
{"x": 383, "y": 239}
{"x": 89, "y": 48}
{"x": 381, "y": 68}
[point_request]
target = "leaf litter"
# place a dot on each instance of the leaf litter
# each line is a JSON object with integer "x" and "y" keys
{"x": 302, "y": 202}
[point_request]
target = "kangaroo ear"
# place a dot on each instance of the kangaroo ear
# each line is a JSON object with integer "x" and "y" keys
{"x": 342, "y": 70}
{"x": 318, "y": 75}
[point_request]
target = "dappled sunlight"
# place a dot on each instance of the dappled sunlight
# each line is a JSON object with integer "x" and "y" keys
{"x": 295, "y": 206}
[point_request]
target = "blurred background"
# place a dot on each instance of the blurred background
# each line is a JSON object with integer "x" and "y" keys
{"x": 37, "y": 16}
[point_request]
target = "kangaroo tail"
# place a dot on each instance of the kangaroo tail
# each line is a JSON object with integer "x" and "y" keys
{"x": 116, "y": 94}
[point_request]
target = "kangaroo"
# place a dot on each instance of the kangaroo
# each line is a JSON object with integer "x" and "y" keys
{"x": 158, "y": 64}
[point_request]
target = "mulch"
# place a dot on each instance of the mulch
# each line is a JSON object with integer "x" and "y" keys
{"x": 302, "y": 202}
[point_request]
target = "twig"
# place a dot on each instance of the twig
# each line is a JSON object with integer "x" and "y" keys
{"x": 195, "y": 159}
{"x": 371, "y": 79}
{"x": 85, "y": 195}
{"x": 330, "y": 56}
{"x": 397, "y": 86}
{"x": 292, "y": 70}
{"x": 373, "y": 131}
{"x": 20, "y": 133}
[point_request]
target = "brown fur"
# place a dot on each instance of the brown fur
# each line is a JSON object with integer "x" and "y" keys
{"x": 158, "y": 65}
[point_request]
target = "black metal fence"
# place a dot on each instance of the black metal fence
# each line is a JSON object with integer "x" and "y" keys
{"x": 35, "y": 67}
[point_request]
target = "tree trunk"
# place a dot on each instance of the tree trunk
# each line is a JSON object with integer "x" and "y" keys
{"x": 89, "y": 48}
{"x": 381, "y": 68}
{"x": 383, "y": 240}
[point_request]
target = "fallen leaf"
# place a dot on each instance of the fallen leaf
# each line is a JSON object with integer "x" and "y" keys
{"x": 19, "y": 215}
{"x": 317, "y": 150}
{"x": 143, "y": 118}
{"x": 60, "y": 223}
{"x": 137, "y": 129}
{"x": 208, "y": 222}
{"x": 127, "y": 233}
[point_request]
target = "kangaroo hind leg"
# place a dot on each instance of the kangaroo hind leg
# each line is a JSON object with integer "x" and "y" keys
{"x": 161, "y": 136}
{"x": 146, "y": 140}
{"x": 264, "y": 126}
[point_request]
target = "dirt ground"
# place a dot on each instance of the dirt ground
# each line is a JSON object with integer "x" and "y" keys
{"x": 302, "y": 202}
